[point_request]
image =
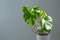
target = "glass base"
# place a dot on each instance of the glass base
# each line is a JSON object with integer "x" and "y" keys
{"x": 38, "y": 37}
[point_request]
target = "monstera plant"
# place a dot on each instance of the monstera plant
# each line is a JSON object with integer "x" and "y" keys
{"x": 31, "y": 15}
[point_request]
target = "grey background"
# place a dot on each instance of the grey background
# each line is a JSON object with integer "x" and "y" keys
{"x": 12, "y": 25}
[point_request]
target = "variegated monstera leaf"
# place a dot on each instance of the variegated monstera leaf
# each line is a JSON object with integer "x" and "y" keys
{"x": 45, "y": 22}
{"x": 30, "y": 15}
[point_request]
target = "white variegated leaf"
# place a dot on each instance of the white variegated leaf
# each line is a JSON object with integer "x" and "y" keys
{"x": 48, "y": 27}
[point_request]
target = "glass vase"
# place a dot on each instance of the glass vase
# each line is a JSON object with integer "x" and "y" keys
{"x": 43, "y": 35}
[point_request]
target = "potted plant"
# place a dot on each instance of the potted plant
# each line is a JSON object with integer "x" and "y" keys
{"x": 31, "y": 16}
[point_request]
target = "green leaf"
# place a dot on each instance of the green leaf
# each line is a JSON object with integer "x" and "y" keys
{"x": 32, "y": 12}
{"x": 48, "y": 23}
{"x": 42, "y": 22}
{"x": 36, "y": 11}
{"x": 39, "y": 29}
{"x": 48, "y": 18}
{"x": 31, "y": 22}
{"x": 25, "y": 9}
{"x": 45, "y": 25}
{"x": 36, "y": 8}
{"x": 42, "y": 14}
{"x": 26, "y": 16}
{"x": 30, "y": 15}
{"x": 48, "y": 27}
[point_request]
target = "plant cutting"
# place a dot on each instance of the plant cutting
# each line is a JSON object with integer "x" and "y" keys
{"x": 31, "y": 17}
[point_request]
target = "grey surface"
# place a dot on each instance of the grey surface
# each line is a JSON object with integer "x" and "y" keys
{"x": 12, "y": 25}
